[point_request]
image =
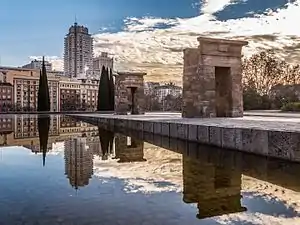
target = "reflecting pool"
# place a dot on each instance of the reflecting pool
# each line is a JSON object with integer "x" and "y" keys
{"x": 57, "y": 170}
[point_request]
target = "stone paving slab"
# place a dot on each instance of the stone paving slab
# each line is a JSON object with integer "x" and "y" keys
{"x": 287, "y": 124}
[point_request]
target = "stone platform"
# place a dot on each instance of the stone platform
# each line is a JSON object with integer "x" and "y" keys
{"x": 258, "y": 133}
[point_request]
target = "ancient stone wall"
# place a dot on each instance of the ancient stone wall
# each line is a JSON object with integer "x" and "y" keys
{"x": 203, "y": 94}
{"x": 128, "y": 85}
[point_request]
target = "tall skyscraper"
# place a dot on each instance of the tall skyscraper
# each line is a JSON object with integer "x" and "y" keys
{"x": 78, "y": 51}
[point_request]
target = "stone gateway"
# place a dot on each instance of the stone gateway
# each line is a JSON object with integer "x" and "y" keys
{"x": 129, "y": 94}
{"x": 212, "y": 79}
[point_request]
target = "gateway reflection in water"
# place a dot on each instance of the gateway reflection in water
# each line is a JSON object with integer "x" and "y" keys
{"x": 111, "y": 178}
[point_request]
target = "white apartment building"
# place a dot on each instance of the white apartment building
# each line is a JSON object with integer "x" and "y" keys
{"x": 37, "y": 64}
{"x": 78, "y": 52}
{"x": 102, "y": 60}
{"x": 149, "y": 87}
{"x": 168, "y": 89}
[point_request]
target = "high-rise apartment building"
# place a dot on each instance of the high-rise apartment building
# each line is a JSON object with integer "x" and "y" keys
{"x": 78, "y": 51}
{"x": 37, "y": 64}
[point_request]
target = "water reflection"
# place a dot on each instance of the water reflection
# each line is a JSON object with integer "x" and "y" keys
{"x": 43, "y": 129}
{"x": 106, "y": 139}
{"x": 78, "y": 162}
{"x": 129, "y": 149}
{"x": 215, "y": 189}
{"x": 217, "y": 185}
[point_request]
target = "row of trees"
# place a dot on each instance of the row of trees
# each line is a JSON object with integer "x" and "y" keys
{"x": 169, "y": 103}
{"x": 269, "y": 82}
{"x": 106, "y": 91}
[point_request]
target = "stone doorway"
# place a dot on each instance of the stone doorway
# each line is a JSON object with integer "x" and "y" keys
{"x": 212, "y": 79}
{"x": 129, "y": 93}
{"x": 223, "y": 86}
{"x": 132, "y": 105}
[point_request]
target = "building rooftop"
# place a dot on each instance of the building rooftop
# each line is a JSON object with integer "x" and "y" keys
{"x": 16, "y": 68}
{"x": 5, "y": 84}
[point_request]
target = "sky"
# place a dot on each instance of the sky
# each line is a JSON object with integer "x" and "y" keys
{"x": 146, "y": 35}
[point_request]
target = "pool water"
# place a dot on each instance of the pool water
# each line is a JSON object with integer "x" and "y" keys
{"x": 56, "y": 170}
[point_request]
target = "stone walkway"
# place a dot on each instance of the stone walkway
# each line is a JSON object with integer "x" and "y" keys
{"x": 259, "y": 121}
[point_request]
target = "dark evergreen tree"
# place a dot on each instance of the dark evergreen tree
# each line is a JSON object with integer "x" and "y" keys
{"x": 43, "y": 92}
{"x": 43, "y": 129}
{"x": 111, "y": 91}
{"x": 103, "y": 92}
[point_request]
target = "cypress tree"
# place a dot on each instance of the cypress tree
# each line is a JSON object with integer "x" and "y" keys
{"x": 40, "y": 94}
{"x": 43, "y": 92}
{"x": 103, "y": 92}
{"x": 111, "y": 91}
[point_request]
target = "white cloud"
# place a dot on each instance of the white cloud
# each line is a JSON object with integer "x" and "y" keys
{"x": 159, "y": 51}
{"x": 143, "y": 47}
{"x": 213, "y": 6}
{"x": 161, "y": 166}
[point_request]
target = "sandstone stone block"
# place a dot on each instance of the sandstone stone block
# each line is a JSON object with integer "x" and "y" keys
{"x": 203, "y": 134}
{"x": 284, "y": 145}
{"x": 148, "y": 126}
{"x": 165, "y": 129}
{"x": 139, "y": 125}
{"x": 260, "y": 142}
{"x": 193, "y": 132}
{"x": 139, "y": 134}
{"x": 165, "y": 142}
{"x": 130, "y": 124}
{"x": 157, "y": 140}
{"x": 111, "y": 123}
{"x": 182, "y": 131}
{"x": 255, "y": 141}
{"x": 247, "y": 140}
{"x": 215, "y": 136}
{"x": 182, "y": 146}
{"x": 173, "y": 144}
{"x": 238, "y": 139}
{"x": 157, "y": 128}
{"x": 121, "y": 123}
{"x": 173, "y": 130}
{"x": 148, "y": 137}
{"x": 192, "y": 149}
{"x": 228, "y": 138}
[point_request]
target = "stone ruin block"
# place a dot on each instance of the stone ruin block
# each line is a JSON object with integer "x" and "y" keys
{"x": 129, "y": 96}
{"x": 212, "y": 79}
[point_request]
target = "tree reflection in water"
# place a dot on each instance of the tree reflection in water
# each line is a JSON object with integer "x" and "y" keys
{"x": 106, "y": 138}
{"x": 43, "y": 129}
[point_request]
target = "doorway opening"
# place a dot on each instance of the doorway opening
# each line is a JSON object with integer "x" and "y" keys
{"x": 132, "y": 105}
{"x": 223, "y": 85}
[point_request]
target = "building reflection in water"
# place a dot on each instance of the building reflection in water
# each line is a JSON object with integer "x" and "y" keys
{"x": 129, "y": 149}
{"x": 78, "y": 162}
{"x": 216, "y": 189}
{"x": 40, "y": 134}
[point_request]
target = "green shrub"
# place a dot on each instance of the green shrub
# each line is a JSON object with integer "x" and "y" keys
{"x": 292, "y": 107}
